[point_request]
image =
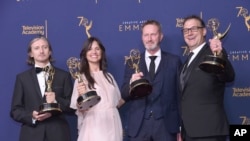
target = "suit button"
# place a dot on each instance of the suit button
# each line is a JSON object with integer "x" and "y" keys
{"x": 151, "y": 114}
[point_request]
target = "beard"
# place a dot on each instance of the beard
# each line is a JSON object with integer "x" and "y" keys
{"x": 152, "y": 47}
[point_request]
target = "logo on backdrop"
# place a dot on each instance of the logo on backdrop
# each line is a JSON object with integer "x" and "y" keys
{"x": 244, "y": 13}
{"x": 179, "y": 24}
{"x": 35, "y": 29}
{"x": 241, "y": 92}
{"x": 127, "y": 26}
{"x": 245, "y": 120}
{"x": 86, "y": 24}
{"x": 239, "y": 55}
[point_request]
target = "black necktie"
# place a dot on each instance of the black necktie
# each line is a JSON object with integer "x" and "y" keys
{"x": 187, "y": 61}
{"x": 152, "y": 67}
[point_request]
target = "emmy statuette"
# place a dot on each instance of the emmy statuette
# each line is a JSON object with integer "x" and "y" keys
{"x": 214, "y": 63}
{"x": 141, "y": 87}
{"x": 88, "y": 99}
{"x": 53, "y": 108}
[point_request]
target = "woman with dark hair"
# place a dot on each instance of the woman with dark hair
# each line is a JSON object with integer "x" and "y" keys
{"x": 102, "y": 121}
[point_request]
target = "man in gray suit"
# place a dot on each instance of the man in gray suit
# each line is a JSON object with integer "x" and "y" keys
{"x": 202, "y": 92}
{"x": 30, "y": 92}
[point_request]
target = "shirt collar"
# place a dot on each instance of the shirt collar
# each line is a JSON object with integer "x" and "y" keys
{"x": 44, "y": 66}
{"x": 197, "y": 50}
{"x": 158, "y": 54}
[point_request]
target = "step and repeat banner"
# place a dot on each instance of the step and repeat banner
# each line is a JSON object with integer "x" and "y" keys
{"x": 68, "y": 23}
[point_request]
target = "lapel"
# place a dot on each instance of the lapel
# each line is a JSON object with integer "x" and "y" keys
{"x": 35, "y": 82}
{"x": 162, "y": 66}
{"x": 143, "y": 67}
{"x": 194, "y": 65}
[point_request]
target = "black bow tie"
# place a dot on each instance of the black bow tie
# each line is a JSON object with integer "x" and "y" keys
{"x": 38, "y": 69}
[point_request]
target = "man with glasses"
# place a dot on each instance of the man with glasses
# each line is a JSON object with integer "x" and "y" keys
{"x": 202, "y": 93}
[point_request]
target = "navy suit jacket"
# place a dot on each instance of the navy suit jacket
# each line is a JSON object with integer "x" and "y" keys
{"x": 163, "y": 100}
{"x": 27, "y": 97}
{"x": 202, "y": 97}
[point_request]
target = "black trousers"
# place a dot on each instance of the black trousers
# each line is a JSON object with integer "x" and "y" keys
{"x": 185, "y": 137}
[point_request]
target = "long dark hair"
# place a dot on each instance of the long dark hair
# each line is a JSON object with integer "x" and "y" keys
{"x": 84, "y": 66}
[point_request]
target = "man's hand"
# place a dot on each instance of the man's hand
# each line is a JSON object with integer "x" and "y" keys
{"x": 136, "y": 76}
{"x": 50, "y": 97}
{"x": 41, "y": 117}
{"x": 215, "y": 46}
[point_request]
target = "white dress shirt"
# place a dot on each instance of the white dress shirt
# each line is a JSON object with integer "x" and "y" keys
{"x": 157, "y": 59}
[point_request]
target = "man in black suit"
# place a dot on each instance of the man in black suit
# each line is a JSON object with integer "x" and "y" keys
{"x": 30, "y": 92}
{"x": 202, "y": 92}
{"x": 154, "y": 117}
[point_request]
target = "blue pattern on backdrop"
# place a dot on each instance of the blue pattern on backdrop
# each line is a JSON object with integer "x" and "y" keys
{"x": 117, "y": 23}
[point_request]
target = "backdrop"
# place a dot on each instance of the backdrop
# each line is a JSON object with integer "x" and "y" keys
{"x": 67, "y": 23}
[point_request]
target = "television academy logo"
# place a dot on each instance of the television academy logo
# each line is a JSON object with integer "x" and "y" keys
{"x": 35, "y": 29}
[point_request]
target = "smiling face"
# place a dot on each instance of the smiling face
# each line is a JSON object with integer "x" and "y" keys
{"x": 151, "y": 37}
{"x": 40, "y": 52}
{"x": 94, "y": 53}
{"x": 193, "y": 33}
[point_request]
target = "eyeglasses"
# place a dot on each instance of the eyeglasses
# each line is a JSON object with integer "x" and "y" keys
{"x": 192, "y": 29}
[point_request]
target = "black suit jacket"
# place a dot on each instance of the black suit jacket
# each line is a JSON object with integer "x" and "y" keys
{"x": 163, "y": 100}
{"x": 202, "y": 98}
{"x": 27, "y": 98}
